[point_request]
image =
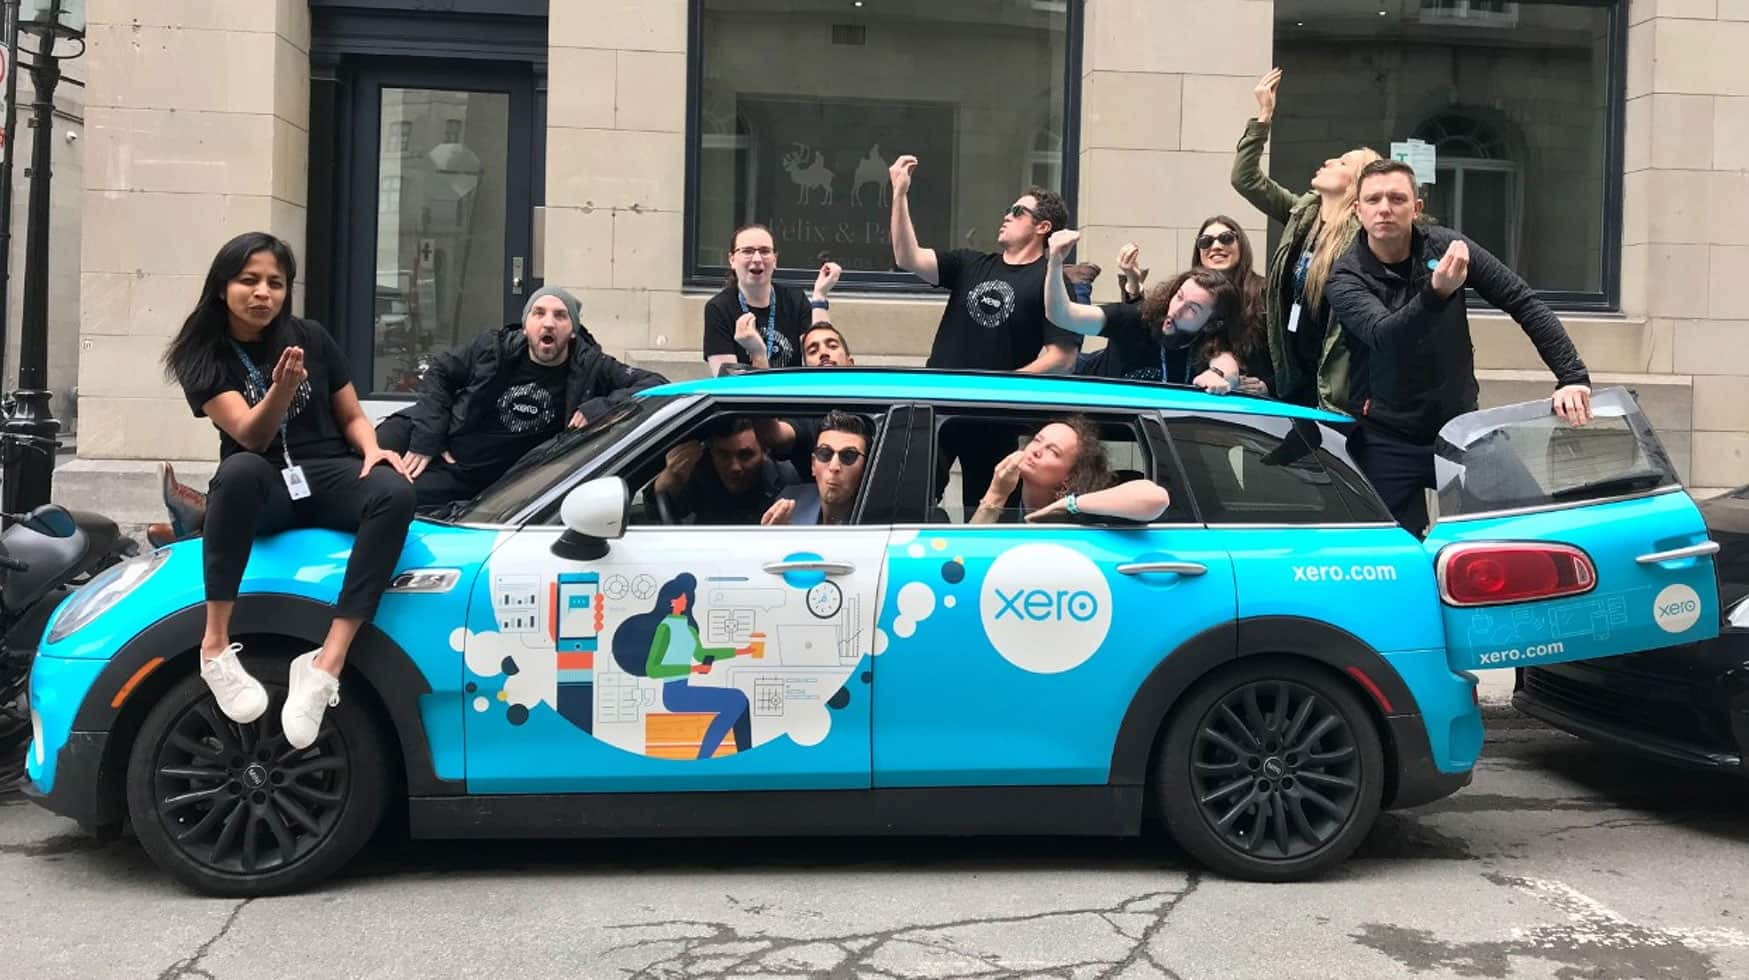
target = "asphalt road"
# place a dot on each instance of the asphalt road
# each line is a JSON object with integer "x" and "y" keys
{"x": 1563, "y": 860}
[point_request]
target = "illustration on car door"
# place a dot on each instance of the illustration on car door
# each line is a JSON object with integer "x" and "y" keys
{"x": 1558, "y": 543}
{"x": 741, "y": 653}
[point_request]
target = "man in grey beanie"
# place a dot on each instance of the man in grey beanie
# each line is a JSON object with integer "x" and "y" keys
{"x": 481, "y": 407}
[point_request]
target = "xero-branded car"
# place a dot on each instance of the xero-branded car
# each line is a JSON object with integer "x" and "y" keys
{"x": 1263, "y": 667}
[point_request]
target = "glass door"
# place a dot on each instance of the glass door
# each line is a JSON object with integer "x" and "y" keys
{"x": 441, "y": 219}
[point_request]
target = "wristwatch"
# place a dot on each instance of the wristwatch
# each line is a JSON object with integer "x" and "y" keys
{"x": 819, "y": 304}
{"x": 1071, "y": 505}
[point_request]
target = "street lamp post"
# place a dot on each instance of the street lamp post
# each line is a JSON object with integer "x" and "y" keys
{"x": 30, "y": 429}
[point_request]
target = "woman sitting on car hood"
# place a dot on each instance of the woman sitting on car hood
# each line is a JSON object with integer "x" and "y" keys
{"x": 1063, "y": 470}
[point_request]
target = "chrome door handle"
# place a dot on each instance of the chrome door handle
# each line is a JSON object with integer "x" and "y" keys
{"x": 1159, "y": 567}
{"x": 1701, "y": 550}
{"x": 811, "y": 565}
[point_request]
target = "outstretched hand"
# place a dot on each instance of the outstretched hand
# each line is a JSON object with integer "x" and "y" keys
{"x": 1265, "y": 92}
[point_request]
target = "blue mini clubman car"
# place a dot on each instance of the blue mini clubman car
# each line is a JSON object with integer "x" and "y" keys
{"x": 1262, "y": 668}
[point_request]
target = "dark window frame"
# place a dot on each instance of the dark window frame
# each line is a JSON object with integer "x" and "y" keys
{"x": 698, "y": 276}
{"x": 1606, "y": 300}
{"x": 1324, "y": 449}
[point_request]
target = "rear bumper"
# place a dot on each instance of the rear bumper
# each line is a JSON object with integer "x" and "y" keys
{"x": 1417, "y": 779}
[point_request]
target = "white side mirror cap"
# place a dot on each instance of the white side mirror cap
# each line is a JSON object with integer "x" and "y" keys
{"x": 596, "y": 509}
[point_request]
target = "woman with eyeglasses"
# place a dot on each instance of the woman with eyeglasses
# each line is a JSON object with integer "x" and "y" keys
{"x": 754, "y": 321}
{"x": 1305, "y": 341}
{"x": 1064, "y": 470}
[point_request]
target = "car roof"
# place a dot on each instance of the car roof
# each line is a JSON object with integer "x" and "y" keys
{"x": 1057, "y": 391}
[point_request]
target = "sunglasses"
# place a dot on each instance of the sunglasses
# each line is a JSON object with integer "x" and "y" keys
{"x": 1022, "y": 211}
{"x": 847, "y": 456}
{"x": 1206, "y": 241}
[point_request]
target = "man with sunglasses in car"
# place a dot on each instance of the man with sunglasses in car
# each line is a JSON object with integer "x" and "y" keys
{"x": 839, "y": 458}
{"x": 995, "y": 315}
{"x": 738, "y": 484}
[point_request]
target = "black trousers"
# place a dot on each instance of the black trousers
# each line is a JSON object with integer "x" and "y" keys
{"x": 978, "y": 451}
{"x": 441, "y": 483}
{"x": 248, "y": 498}
{"x": 1398, "y": 469}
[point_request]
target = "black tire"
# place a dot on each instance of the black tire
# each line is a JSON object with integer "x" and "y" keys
{"x": 232, "y": 810}
{"x": 1270, "y": 770}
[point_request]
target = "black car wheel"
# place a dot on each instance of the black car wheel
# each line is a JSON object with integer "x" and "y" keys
{"x": 234, "y": 810}
{"x": 1270, "y": 770}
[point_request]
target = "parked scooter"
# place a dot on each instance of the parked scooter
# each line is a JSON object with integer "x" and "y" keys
{"x": 44, "y": 556}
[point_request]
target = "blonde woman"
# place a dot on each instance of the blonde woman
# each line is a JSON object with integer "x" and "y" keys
{"x": 1305, "y": 342}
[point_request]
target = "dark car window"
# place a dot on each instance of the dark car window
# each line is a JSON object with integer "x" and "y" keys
{"x": 550, "y": 463}
{"x": 1243, "y": 474}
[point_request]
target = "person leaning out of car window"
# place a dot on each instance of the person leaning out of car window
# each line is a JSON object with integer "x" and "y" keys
{"x": 1177, "y": 335}
{"x": 754, "y": 322}
{"x": 725, "y": 478}
{"x": 1399, "y": 295}
{"x": 839, "y": 457}
{"x": 295, "y": 450}
{"x": 1064, "y": 470}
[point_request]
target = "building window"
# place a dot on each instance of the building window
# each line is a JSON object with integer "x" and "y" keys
{"x": 452, "y": 130}
{"x": 801, "y": 143}
{"x": 1522, "y": 103}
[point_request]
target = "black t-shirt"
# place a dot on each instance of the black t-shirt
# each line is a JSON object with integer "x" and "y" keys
{"x": 528, "y": 409}
{"x": 995, "y": 318}
{"x": 794, "y": 316}
{"x": 310, "y": 428}
{"x": 708, "y": 502}
{"x": 1132, "y": 352}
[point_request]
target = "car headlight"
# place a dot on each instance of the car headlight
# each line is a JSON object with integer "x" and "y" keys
{"x": 105, "y": 591}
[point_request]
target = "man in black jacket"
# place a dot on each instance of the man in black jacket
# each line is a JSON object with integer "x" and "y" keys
{"x": 481, "y": 407}
{"x": 1399, "y": 295}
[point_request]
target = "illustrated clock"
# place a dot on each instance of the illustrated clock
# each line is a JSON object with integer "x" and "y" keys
{"x": 825, "y": 599}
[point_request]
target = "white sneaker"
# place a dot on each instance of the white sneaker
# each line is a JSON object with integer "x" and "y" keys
{"x": 312, "y": 691}
{"x": 240, "y": 697}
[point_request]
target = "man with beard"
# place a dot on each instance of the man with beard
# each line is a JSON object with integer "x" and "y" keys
{"x": 482, "y": 407}
{"x": 839, "y": 457}
{"x": 1176, "y": 335}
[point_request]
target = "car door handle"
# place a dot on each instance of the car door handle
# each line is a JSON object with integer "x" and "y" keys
{"x": 1701, "y": 550}
{"x": 1161, "y": 567}
{"x": 810, "y": 565}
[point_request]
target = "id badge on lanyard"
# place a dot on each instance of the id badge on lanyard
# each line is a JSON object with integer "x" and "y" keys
{"x": 770, "y": 321}
{"x": 296, "y": 483}
{"x": 1293, "y": 315}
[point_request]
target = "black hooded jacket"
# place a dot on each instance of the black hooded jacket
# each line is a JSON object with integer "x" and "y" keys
{"x": 450, "y": 401}
{"x": 1412, "y": 365}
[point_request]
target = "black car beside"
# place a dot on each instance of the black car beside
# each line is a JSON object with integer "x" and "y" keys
{"x": 1687, "y": 705}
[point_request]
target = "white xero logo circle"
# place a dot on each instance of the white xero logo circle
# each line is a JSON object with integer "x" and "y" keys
{"x": 1676, "y": 609}
{"x": 1045, "y": 608}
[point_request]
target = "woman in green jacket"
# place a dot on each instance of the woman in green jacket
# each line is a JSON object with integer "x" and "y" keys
{"x": 1305, "y": 342}
{"x": 664, "y": 644}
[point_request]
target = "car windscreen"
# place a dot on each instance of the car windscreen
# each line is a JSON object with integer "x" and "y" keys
{"x": 1519, "y": 456}
{"x": 545, "y": 466}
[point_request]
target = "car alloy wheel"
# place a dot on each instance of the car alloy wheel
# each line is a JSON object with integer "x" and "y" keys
{"x": 238, "y": 798}
{"x": 1275, "y": 770}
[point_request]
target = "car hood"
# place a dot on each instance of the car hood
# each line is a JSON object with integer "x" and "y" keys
{"x": 1727, "y": 519}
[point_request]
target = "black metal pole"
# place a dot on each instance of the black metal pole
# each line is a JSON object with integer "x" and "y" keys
{"x": 10, "y": 39}
{"x": 32, "y": 427}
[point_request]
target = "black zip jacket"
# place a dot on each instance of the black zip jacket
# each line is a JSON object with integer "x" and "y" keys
{"x": 1412, "y": 363}
{"x": 448, "y": 401}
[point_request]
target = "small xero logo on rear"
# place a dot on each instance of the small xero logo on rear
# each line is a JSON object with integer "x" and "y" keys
{"x": 1676, "y": 609}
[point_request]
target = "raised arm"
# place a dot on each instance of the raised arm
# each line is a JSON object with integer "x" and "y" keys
{"x": 1274, "y": 200}
{"x": 255, "y": 426}
{"x": 1083, "y": 318}
{"x": 907, "y": 254}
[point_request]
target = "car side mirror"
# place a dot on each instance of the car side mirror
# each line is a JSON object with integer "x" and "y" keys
{"x": 593, "y": 514}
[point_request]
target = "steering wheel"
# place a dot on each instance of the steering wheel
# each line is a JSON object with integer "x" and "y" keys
{"x": 664, "y": 507}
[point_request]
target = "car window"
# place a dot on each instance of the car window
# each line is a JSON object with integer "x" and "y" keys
{"x": 554, "y": 461}
{"x": 1246, "y": 474}
{"x": 993, "y": 437}
{"x": 731, "y": 466}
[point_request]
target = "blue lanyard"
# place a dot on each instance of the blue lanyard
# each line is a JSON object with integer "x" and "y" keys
{"x": 770, "y": 322}
{"x": 261, "y": 384}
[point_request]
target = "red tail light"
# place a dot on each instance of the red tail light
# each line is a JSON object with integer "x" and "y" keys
{"x": 1495, "y": 573}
